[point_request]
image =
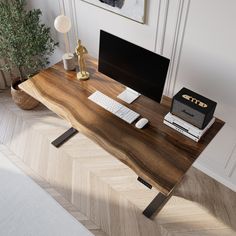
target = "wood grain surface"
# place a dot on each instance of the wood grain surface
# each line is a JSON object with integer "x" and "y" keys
{"x": 157, "y": 153}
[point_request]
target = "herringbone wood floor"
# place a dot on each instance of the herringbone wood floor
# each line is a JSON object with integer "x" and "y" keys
{"x": 102, "y": 192}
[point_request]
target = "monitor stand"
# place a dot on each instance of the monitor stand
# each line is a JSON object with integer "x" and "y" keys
{"x": 128, "y": 95}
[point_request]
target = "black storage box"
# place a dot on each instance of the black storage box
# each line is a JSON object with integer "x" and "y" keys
{"x": 193, "y": 108}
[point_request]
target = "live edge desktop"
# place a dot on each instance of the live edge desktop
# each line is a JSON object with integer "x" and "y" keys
{"x": 135, "y": 67}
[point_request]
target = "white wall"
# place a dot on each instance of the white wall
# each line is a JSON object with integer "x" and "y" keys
{"x": 207, "y": 63}
{"x": 50, "y": 9}
{"x": 91, "y": 19}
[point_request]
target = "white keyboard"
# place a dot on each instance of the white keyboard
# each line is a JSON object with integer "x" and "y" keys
{"x": 114, "y": 107}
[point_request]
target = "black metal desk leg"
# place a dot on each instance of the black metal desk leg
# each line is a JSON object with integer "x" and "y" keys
{"x": 64, "y": 137}
{"x": 156, "y": 205}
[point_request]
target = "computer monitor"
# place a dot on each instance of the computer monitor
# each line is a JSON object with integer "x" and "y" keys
{"x": 135, "y": 67}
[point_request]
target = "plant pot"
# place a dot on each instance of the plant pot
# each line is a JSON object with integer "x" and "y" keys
{"x": 22, "y": 99}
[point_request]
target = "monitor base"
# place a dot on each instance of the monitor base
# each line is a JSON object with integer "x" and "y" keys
{"x": 128, "y": 95}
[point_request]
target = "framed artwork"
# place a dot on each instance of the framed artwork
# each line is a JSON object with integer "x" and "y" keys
{"x": 132, "y": 9}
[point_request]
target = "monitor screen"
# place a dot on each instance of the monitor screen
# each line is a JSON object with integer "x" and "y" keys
{"x": 135, "y": 67}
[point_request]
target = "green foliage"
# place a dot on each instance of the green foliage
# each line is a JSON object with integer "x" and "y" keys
{"x": 25, "y": 43}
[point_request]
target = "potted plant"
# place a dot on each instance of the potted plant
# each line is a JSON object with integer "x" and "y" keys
{"x": 25, "y": 46}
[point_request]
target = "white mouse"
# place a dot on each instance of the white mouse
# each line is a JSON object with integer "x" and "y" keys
{"x": 141, "y": 123}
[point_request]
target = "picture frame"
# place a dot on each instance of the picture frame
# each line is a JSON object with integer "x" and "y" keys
{"x": 131, "y": 9}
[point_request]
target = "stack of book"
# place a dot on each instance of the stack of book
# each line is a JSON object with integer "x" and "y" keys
{"x": 185, "y": 128}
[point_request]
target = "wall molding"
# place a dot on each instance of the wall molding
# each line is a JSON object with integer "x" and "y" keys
{"x": 72, "y": 15}
{"x": 75, "y": 22}
{"x": 164, "y": 26}
{"x": 157, "y": 28}
{"x": 230, "y": 166}
{"x": 59, "y": 5}
{"x": 69, "y": 9}
{"x": 161, "y": 25}
{"x": 177, "y": 46}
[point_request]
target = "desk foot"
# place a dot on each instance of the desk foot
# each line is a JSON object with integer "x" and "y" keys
{"x": 156, "y": 205}
{"x": 144, "y": 182}
{"x": 64, "y": 137}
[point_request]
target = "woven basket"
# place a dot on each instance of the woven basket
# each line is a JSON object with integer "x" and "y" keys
{"x": 22, "y": 99}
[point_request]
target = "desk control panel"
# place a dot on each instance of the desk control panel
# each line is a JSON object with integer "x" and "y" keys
{"x": 114, "y": 107}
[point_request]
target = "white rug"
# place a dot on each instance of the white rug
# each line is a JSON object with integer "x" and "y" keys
{"x": 27, "y": 210}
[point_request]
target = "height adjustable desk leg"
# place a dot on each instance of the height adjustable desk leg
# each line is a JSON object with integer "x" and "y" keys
{"x": 156, "y": 205}
{"x": 64, "y": 137}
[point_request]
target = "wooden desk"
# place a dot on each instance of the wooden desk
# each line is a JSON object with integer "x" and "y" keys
{"x": 157, "y": 153}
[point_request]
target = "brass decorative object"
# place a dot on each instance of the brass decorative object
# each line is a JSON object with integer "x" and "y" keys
{"x": 194, "y": 100}
{"x": 81, "y": 51}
